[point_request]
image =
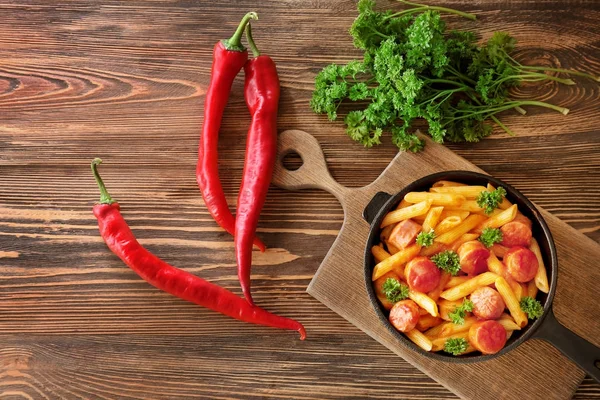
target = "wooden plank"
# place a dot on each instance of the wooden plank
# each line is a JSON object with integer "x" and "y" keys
{"x": 125, "y": 81}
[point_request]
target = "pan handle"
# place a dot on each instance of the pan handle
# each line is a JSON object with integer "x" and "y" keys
{"x": 375, "y": 205}
{"x": 579, "y": 350}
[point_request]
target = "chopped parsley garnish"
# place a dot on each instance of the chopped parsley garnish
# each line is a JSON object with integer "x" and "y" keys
{"x": 394, "y": 290}
{"x": 489, "y": 236}
{"x": 447, "y": 261}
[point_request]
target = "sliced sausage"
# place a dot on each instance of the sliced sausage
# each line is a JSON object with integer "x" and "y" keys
{"x": 488, "y": 337}
{"x": 378, "y": 286}
{"x": 473, "y": 257}
{"x": 487, "y": 303}
{"x": 521, "y": 218}
{"x": 516, "y": 233}
{"x": 404, "y": 316}
{"x": 422, "y": 275}
{"x": 404, "y": 234}
{"x": 522, "y": 264}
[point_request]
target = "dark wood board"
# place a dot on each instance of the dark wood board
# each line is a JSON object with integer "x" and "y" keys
{"x": 125, "y": 81}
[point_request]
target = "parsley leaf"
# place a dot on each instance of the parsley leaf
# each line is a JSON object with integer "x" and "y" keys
{"x": 394, "y": 290}
{"x": 531, "y": 307}
{"x": 489, "y": 236}
{"x": 448, "y": 261}
{"x": 425, "y": 239}
{"x": 456, "y": 346}
{"x": 489, "y": 201}
{"x": 458, "y": 315}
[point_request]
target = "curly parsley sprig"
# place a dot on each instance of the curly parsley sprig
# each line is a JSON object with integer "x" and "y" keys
{"x": 456, "y": 346}
{"x": 414, "y": 68}
{"x": 531, "y": 307}
{"x": 458, "y": 315}
{"x": 489, "y": 236}
{"x": 394, "y": 290}
{"x": 489, "y": 201}
{"x": 448, "y": 261}
{"x": 425, "y": 239}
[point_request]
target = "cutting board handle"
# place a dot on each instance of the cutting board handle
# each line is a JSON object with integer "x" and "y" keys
{"x": 313, "y": 172}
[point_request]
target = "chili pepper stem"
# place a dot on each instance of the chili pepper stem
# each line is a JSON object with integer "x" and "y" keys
{"x": 104, "y": 196}
{"x": 251, "y": 43}
{"x": 234, "y": 43}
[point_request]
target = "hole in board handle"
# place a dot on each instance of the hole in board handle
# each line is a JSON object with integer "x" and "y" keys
{"x": 292, "y": 161}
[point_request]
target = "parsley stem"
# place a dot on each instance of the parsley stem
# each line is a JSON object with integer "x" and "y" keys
{"x": 472, "y": 17}
{"x": 565, "y": 71}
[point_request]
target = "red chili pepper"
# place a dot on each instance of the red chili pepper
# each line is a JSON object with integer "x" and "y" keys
{"x": 261, "y": 90}
{"x": 229, "y": 56}
{"x": 122, "y": 242}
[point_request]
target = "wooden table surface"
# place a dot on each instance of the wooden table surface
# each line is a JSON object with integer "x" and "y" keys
{"x": 125, "y": 81}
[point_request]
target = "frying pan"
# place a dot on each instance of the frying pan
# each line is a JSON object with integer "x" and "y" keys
{"x": 582, "y": 352}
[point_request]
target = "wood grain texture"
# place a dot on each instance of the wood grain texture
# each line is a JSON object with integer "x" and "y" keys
{"x": 125, "y": 81}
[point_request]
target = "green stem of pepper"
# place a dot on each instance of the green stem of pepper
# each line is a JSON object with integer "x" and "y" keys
{"x": 251, "y": 43}
{"x": 234, "y": 43}
{"x": 104, "y": 196}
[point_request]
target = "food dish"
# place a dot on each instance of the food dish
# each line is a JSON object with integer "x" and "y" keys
{"x": 438, "y": 234}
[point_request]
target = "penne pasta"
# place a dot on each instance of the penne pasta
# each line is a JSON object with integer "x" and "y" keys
{"x": 468, "y": 205}
{"x": 496, "y": 266}
{"x": 447, "y": 224}
{"x": 424, "y": 302}
{"x": 499, "y": 250}
{"x": 386, "y": 232}
{"x": 392, "y": 249}
{"x": 509, "y": 324}
{"x": 447, "y": 183}
{"x": 439, "y": 343}
{"x": 403, "y": 204}
{"x": 405, "y": 213}
{"x": 468, "y": 287}
{"x": 435, "y": 331}
{"x": 532, "y": 289}
{"x": 419, "y": 219}
{"x": 541, "y": 277}
{"x": 435, "y": 293}
{"x": 419, "y": 339}
{"x": 467, "y": 237}
{"x": 451, "y": 217}
{"x": 395, "y": 261}
{"x": 431, "y": 250}
{"x": 465, "y": 226}
{"x": 454, "y": 213}
{"x": 432, "y": 218}
{"x": 498, "y": 220}
{"x": 469, "y": 192}
{"x": 445, "y": 307}
{"x": 437, "y": 199}
{"x": 379, "y": 254}
{"x": 456, "y": 280}
{"x": 450, "y": 329}
{"x": 428, "y": 321}
{"x": 511, "y": 301}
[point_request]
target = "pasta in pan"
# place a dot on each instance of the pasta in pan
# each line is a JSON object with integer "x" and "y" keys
{"x": 458, "y": 269}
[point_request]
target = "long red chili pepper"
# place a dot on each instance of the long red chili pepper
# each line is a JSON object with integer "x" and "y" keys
{"x": 122, "y": 242}
{"x": 229, "y": 56}
{"x": 261, "y": 89}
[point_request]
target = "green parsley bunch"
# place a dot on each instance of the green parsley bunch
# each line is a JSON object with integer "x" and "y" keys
{"x": 414, "y": 68}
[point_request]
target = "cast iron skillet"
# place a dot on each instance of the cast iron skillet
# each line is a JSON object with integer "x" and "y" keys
{"x": 582, "y": 352}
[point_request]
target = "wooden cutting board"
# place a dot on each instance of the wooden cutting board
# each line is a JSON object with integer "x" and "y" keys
{"x": 534, "y": 370}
